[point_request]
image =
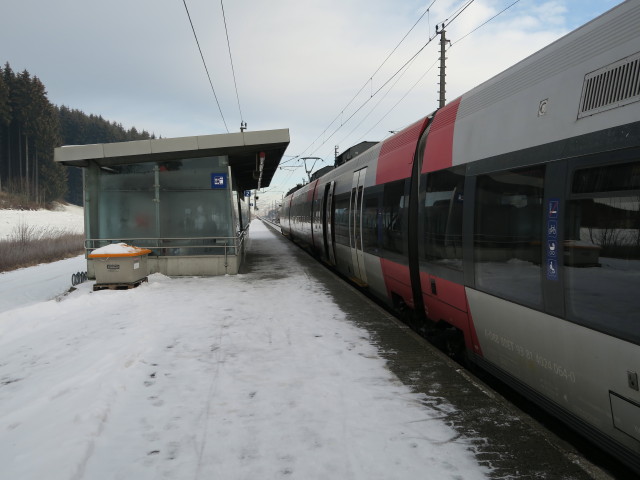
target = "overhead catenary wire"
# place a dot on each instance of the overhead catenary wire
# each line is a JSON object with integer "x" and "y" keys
{"x": 403, "y": 97}
{"x": 457, "y": 13}
{"x": 393, "y": 107}
{"x": 375, "y": 93}
{"x": 446, "y": 23}
{"x": 235, "y": 83}
{"x": 483, "y": 24}
{"x": 205, "y": 65}
{"x": 379, "y": 102}
{"x": 369, "y": 80}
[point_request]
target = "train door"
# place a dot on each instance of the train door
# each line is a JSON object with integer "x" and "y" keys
{"x": 355, "y": 225}
{"x": 285, "y": 216}
{"x": 327, "y": 223}
{"x": 311, "y": 199}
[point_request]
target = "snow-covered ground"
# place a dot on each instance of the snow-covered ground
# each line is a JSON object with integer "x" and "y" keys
{"x": 235, "y": 377}
{"x": 28, "y": 286}
{"x": 65, "y": 218}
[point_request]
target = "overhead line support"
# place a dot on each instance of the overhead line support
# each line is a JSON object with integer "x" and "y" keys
{"x": 443, "y": 43}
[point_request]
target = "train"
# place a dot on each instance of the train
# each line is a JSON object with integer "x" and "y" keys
{"x": 507, "y": 223}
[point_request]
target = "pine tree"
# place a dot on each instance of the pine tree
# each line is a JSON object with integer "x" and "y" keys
{"x": 30, "y": 128}
{"x": 55, "y": 186}
{"x": 46, "y": 135}
{"x": 5, "y": 121}
{"x": 9, "y": 79}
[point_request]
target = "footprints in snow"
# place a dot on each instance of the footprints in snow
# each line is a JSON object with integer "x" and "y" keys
{"x": 153, "y": 382}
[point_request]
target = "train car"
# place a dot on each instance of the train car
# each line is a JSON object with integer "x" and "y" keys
{"x": 511, "y": 218}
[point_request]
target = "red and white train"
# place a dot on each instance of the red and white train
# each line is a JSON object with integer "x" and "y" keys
{"x": 511, "y": 218}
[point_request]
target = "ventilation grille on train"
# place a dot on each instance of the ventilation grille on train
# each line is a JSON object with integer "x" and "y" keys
{"x": 612, "y": 86}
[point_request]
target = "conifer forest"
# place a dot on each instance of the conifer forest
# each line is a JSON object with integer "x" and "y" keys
{"x": 31, "y": 127}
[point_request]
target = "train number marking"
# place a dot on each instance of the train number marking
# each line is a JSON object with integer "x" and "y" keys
{"x": 534, "y": 358}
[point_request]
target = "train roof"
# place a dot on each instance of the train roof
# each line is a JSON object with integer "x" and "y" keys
{"x": 587, "y": 41}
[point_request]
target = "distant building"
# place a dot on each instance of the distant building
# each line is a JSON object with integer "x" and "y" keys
{"x": 183, "y": 198}
{"x": 353, "y": 152}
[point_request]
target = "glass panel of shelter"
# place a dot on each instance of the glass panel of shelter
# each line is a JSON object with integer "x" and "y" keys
{"x": 156, "y": 201}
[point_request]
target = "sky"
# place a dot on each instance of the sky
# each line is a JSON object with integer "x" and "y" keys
{"x": 169, "y": 381}
{"x": 328, "y": 70}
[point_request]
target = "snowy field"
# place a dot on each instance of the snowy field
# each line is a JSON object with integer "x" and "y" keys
{"x": 254, "y": 376}
{"x": 28, "y": 286}
{"x": 66, "y": 218}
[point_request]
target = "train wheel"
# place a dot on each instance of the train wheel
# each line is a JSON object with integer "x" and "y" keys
{"x": 409, "y": 316}
{"x": 448, "y": 339}
{"x": 454, "y": 344}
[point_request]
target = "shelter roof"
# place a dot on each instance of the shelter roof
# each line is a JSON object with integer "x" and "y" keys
{"x": 242, "y": 148}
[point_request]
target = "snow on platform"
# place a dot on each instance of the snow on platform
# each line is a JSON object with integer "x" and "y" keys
{"x": 254, "y": 376}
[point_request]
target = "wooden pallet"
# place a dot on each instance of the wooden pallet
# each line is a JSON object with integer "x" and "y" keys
{"x": 118, "y": 286}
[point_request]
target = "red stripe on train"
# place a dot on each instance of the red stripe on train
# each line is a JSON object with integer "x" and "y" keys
{"x": 397, "y": 280}
{"x": 447, "y": 301}
{"x": 396, "y": 155}
{"x": 448, "y": 304}
{"x": 438, "y": 153}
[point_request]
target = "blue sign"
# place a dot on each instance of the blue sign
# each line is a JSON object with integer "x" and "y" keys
{"x": 247, "y": 193}
{"x": 552, "y": 269}
{"x": 219, "y": 180}
{"x": 553, "y": 210}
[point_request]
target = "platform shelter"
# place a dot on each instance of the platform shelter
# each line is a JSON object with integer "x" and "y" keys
{"x": 184, "y": 198}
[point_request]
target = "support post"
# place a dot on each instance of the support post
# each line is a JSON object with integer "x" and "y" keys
{"x": 443, "y": 42}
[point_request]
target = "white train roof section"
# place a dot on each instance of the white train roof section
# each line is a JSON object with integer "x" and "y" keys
{"x": 537, "y": 101}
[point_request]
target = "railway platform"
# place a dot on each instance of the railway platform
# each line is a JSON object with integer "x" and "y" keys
{"x": 505, "y": 439}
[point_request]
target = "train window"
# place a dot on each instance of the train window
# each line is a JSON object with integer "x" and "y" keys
{"x": 441, "y": 218}
{"x": 602, "y": 249}
{"x": 341, "y": 219}
{"x": 508, "y": 229}
{"x": 372, "y": 221}
{"x": 613, "y": 178}
{"x": 393, "y": 219}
